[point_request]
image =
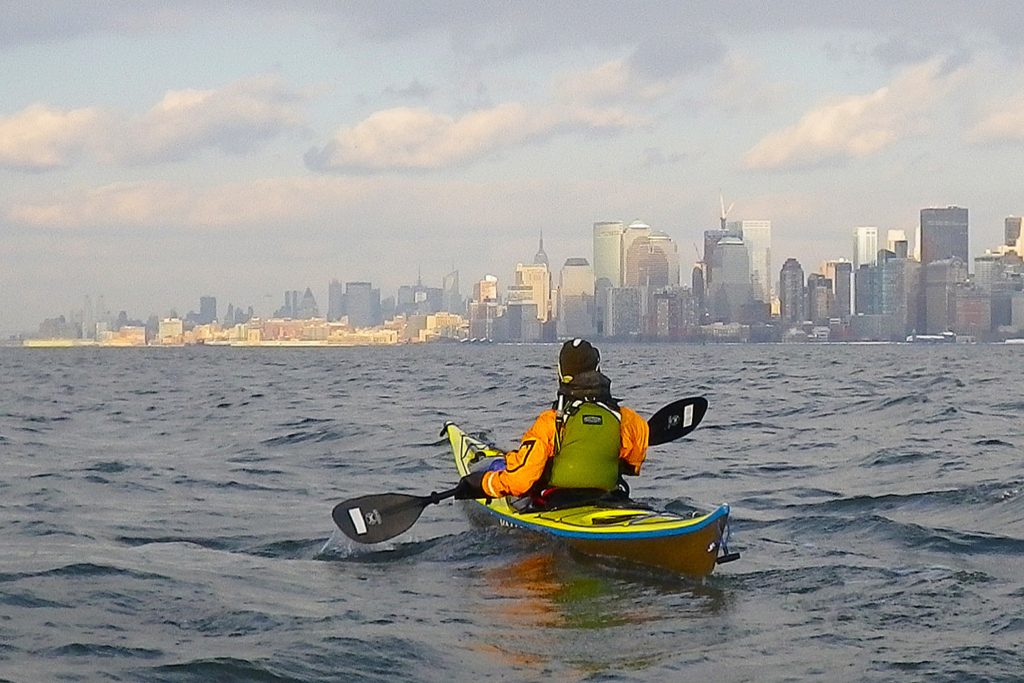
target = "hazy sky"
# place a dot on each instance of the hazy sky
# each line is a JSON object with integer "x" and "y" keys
{"x": 154, "y": 152}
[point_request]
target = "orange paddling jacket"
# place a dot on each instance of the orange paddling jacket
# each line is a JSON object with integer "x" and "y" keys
{"x": 525, "y": 466}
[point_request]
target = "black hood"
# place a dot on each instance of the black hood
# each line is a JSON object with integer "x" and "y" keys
{"x": 590, "y": 385}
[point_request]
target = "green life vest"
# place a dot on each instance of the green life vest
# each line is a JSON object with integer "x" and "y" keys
{"x": 587, "y": 448}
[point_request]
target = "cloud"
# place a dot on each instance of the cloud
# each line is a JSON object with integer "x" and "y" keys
{"x": 857, "y": 126}
{"x": 40, "y": 138}
{"x": 1004, "y": 124}
{"x": 163, "y": 206}
{"x": 233, "y": 119}
{"x": 118, "y": 204}
{"x": 613, "y": 81}
{"x": 740, "y": 84}
{"x": 407, "y": 138}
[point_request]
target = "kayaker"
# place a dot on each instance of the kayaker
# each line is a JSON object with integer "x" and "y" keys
{"x": 582, "y": 444}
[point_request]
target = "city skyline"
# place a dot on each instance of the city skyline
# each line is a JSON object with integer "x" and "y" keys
{"x": 247, "y": 149}
{"x": 636, "y": 292}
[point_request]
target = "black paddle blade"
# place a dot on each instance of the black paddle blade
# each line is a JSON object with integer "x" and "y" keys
{"x": 676, "y": 419}
{"x": 377, "y": 518}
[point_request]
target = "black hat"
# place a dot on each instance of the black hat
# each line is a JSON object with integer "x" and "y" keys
{"x": 577, "y": 356}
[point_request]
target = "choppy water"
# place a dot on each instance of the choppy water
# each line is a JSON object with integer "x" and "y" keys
{"x": 165, "y": 516}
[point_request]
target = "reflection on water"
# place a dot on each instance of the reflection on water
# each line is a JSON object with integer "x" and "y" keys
{"x": 563, "y": 608}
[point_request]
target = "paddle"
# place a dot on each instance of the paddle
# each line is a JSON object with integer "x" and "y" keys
{"x": 380, "y": 517}
{"x": 676, "y": 420}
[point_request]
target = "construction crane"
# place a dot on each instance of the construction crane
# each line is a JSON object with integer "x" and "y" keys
{"x": 725, "y": 211}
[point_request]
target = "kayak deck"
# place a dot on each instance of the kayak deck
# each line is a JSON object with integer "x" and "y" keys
{"x": 687, "y": 545}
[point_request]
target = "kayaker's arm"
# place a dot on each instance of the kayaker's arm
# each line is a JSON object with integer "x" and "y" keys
{"x": 524, "y": 466}
{"x": 635, "y": 435}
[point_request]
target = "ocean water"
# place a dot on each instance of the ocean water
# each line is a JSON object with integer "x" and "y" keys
{"x": 165, "y": 516}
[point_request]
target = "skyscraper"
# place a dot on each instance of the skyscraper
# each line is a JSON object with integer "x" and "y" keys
{"x": 893, "y": 236}
{"x": 650, "y": 261}
{"x": 533, "y": 283}
{"x": 1011, "y": 228}
{"x": 362, "y": 302}
{"x": 541, "y": 256}
{"x": 944, "y": 234}
{"x": 486, "y": 289}
{"x": 730, "y": 290}
{"x": 335, "y": 300}
{"x": 757, "y": 235}
{"x": 840, "y": 272}
{"x": 865, "y": 246}
{"x": 207, "y": 310}
{"x": 576, "y": 299}
{"x": 941, "y": 279}
{"x": 607, "y": 266}
{"x": 451, "y": 299}
{"x": 791, "y": 292}
{"x": 820, "y": 299}
{"x": 608, "y": 253}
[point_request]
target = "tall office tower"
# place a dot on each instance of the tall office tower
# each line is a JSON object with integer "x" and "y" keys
{"x": 865, "y": 246}
{"x": 576, "y": 299}
{"x": 102, "y": 315}
{"x": 988, "y": 270}
{"x": 661, "y": 242}
{"x": 607, "y": 265}
{"x": 699, "y": 294}
{"x": 757, "y": 235}
{"x": 651, "y": 262}
{"x": 941, "y": 279}
{"x": 533, "y": 283}
{"x": 541, "y": 256}
{"x": 791, "y": 292}
{"x": 88, "y": 319}
{"x": 1011, "y": 228}
{"x": 633, "y": 232}
{"x": 899, "y": 282}
{"x": 452, "y": 300}
{"x": 711, "y": 240}
{"x": 671, "y": 314}
{"x": 335, "y": 300}
{"x": 608, "y": 253}
{"x": 868, "y": 287}
{"x": 362, "y": 302}
{"x": 625, "y": 315}
{"x": 944, "y": 234}
{"x": 819, "y": 298}
{"x": 207, "y": 310}
{"x": 840, "y": 272}
{"x": 291, "y": 305}
{"x": 892, "y": 236}
{"x": 730, "y": 291}
{"x": 486, "y": 289}
{"x": 307, "y": 306}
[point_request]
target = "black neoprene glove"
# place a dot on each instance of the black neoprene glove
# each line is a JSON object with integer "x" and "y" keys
{"x": 471, "y": 486}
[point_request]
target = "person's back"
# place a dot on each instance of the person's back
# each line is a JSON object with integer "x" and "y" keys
{"x": 583, "y": 442}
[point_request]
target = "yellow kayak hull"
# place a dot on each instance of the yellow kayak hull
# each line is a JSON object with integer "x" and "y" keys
{"x": 686, "y": 545}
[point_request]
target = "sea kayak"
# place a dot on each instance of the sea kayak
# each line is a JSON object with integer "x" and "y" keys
{"x": 621, "y": 528}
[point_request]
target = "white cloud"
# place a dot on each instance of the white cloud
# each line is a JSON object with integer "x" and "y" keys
{"x": 1002, "y": 124}
{"x": 40, "y": 138}
{"x": 857, "y": 126}
{"x": 418, "y": 138}
{"x": 233, "y": 119}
